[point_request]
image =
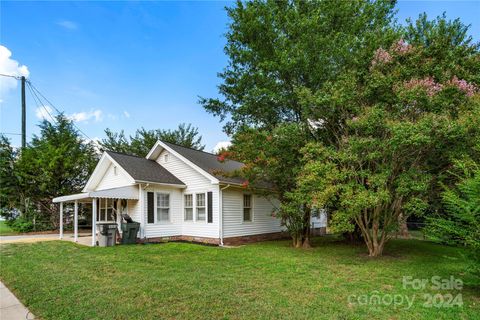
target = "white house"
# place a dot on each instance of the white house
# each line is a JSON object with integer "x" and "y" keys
{"x": 176, "y": 193}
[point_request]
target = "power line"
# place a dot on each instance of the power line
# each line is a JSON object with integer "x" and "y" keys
{"x": 11, "y": 76}
{"x": 11, "y": 133}
{"x": 38, "y": 102}
{"x": 56, "y": 109}
{"x": 35, "y": 92}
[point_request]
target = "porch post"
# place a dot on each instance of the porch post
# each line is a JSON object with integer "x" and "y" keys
{"x": 75, "y": 222}
{"x": 61, "y": 220}
{"x": 94, "y": 222}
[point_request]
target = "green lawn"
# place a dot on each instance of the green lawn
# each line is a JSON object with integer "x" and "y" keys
{"x": 6, "y": 230}
{"x": 270, "y": 280}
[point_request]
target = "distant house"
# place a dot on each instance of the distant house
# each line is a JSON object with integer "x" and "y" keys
{"x": 178, "y": 193}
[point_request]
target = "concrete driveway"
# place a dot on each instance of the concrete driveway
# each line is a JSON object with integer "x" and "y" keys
{"x": 29, "y": 238}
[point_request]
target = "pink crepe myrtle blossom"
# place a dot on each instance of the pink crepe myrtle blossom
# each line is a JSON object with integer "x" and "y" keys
{"x": 401, "y": 47}
{"x": 222, "y": 157}
{"x": 468, "y": 88}
{"x": 381, "y": 56}
{"x": 428, "y": 84}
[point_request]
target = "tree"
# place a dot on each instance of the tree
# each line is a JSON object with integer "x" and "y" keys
{"x": 143, "y": 140}
{"x": 57, "y": 161}
{"x": 278, "y": 50}
{"x": 416, "y": 111}
{"x": 460, "y": 223}
{"x": 9, "y": 182}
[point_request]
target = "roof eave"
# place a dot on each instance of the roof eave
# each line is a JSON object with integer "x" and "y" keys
{"x": 162, "y": 183}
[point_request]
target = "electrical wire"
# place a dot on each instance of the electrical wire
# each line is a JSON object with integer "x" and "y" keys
{"x": 39, "y": 103}
{"x": 54, "y": 107}
{"x": 10, "y": 76}
{"x": 11, "y": 133}
{"x": 36, "y": 94}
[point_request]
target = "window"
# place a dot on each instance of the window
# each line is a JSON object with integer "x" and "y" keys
{"x": 115, "y": 170}
{"x": 200, "y": 206}
{"x": 105, "y": 210}
{"x": 165, "y": 158}
{"x": 163, "y": 207}
{"x": 188, "y": 201}
{"x": 247, "y": 207}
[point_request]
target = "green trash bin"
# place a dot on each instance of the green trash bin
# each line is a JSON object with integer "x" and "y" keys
{"x": 129, "y": 232}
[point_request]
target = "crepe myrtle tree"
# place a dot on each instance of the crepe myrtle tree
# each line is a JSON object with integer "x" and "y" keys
{"x": 277, "y": 50}
{"x": 271, "y": 164}
{"x": 412, "y": 118}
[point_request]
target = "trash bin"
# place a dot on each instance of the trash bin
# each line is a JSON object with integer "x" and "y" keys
{"x": 107, "y": 234}
{"x": 129, "y": 232}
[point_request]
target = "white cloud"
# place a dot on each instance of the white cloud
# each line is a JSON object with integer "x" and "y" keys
{"x": 42, "y": 113}
{"x": 126, "y": 114}
{"x": 85, "y": 116}
{"x": 67, "y": 24}
{"x": 96, "y": 144}
{"x": 9, "y": 66}
{"x": 221, "y": 145}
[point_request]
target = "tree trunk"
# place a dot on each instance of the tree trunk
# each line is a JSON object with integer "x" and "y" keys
{"x": 375, "y": 244}
{"x": 402, "y": 222}
{"x": 306, "y": 229}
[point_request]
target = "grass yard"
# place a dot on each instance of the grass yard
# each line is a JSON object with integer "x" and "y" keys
{"x": 270, "y": 280}
{"x": 5, "y": 230}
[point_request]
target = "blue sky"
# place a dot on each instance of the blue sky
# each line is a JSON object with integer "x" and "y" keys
{"x": 126, "y": 65}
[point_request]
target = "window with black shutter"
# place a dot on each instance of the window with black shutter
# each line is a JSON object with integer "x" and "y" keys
{"x": 209, "y": 207}
{"x": 150, "y": 208}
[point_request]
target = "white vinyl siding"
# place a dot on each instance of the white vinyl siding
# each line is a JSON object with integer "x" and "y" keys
{"x": 173, "y": 227}
{"x": 188, "y": 204}
{"x": 196, "y": 183}
{"x": 262, "y": 209}
{"x": 113, "y": 180}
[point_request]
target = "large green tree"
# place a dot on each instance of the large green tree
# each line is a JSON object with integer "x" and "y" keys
{"x": 407, "y": 120}
{"x": 278, "y": 51}
{"x": 459, "y": 222}
{"x": 143, "y": 140}
{"x": 56, "y": 162}
{"x": 8, "y": 180}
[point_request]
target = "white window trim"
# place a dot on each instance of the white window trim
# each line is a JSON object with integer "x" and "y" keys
{"x": 193, "y": 207}
{"x": 156, "y": 193}
{"x": 251, "y": 208}
{"x": 205, "y": 207}
{"x": 105, "y": 208}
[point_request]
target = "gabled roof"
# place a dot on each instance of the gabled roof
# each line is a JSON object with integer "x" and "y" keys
{"x": 209, "y": 163}
{"x": 144, "y": 170}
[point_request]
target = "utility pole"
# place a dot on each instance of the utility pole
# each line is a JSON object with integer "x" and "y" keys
{"x": 24, "y": 117}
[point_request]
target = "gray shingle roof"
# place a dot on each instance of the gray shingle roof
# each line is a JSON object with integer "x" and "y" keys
{"x": 209, "y": 163}
{"x": 142, "y": 169}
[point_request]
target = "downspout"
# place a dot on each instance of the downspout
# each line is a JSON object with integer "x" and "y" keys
{"x": 221, "y": 213}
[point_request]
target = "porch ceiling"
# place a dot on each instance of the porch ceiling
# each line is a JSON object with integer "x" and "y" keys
{"x": 127, "y": 192}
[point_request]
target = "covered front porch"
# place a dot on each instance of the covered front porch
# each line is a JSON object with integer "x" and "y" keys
{"x": 105, "y": 206}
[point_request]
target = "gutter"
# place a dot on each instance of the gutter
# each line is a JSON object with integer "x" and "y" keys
{"x": 221, "y": 213}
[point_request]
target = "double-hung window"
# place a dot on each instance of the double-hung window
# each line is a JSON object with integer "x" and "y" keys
{"x": 247, "y": 207}
{"x": 163, "y": 207}
{"x": 200, "y": 202}
{"x": 188, "y": 203}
